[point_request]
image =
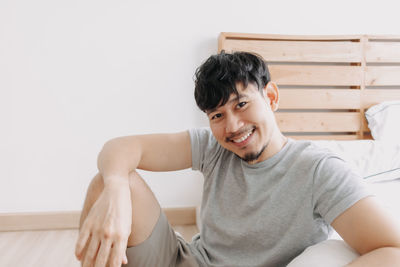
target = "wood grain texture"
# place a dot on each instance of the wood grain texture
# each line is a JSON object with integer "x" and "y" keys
{"x": 319, "y": 99}
{"x": 318, "y": 122}
{"x": 298, "y": 51}
{"x": 302, "y": 75}
{"x": 382, "y": 76}
{"x": 372, "y": 97}
{"x": 383, "y": 52}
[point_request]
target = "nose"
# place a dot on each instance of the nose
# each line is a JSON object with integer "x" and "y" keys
{"x": 233, "y": 123}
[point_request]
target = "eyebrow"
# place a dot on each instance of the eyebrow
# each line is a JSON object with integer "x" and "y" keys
{"x": 235, "y": 99}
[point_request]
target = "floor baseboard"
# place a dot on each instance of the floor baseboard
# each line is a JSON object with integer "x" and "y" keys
{"x": 70, "y": 219}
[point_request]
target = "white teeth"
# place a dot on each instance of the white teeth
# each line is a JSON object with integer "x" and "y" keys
{"x": 242, "y": 138}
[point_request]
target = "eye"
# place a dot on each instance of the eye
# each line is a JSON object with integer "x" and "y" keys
{"x": 241, "y": 104}
{"x": 216, "y": 116}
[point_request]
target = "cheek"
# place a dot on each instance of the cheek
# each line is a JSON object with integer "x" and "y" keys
{"x": 257, "y": 115}
{"x": 217, "y": 131}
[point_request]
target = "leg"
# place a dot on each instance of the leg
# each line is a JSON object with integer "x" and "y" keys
{"x": 145, "y": 207}
{"x": 152, "y": 242}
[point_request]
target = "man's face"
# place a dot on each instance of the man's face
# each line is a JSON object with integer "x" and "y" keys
{"x": 246, "y": 123}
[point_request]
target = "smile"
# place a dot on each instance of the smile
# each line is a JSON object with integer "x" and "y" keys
{"x": 243, "y": 138}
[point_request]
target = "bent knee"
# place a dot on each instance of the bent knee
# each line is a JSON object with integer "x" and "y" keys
{"x": 137, "y": 184}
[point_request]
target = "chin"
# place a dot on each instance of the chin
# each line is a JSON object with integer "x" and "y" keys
{"x": 253, "y": 156}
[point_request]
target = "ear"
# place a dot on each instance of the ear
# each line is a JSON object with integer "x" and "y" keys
{"x": 271, "y": 94}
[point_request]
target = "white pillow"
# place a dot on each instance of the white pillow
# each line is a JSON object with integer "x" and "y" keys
{"x": 329, "y": 253}
{"x": 389, "y": 175}
{"x": 384, "y": 121}
{"x": 374, "y": 160}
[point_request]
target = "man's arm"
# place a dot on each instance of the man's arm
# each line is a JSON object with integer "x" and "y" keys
{"x": 155, "y": 152}
{"x": 105, "y": 231}
{"x": 371, "y": 232}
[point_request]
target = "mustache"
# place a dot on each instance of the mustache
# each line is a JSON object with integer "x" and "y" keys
{"x": 239, "y": 133}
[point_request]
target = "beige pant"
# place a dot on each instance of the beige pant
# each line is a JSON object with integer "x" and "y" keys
{"x": 164, "y": 248}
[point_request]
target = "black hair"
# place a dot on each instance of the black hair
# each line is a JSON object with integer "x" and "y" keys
{"x": 216, "y": 78}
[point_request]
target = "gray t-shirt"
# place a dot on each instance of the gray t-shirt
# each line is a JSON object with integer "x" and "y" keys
{"x": 267, "y": 213}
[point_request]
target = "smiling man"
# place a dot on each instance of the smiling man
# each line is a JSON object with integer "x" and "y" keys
{"x": 265, "y": 197}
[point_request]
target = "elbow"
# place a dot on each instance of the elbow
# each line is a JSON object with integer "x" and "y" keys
{"x": 108, "y": 151}
{"x": 121, "y": 153}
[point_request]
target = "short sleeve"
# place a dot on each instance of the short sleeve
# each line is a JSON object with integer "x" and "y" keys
{"x": 204, "y": 148}
{"x": 336, "y": 187}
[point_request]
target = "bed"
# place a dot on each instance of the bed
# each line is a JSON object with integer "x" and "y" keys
{"x": 342, "y": 92}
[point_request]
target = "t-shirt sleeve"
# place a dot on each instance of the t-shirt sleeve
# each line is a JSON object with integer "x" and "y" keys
{"x": 204, "y": 148}
{"x": 336, "y": 188}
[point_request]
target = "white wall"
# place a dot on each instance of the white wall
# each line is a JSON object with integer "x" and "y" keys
{"x": 74, "y": 74}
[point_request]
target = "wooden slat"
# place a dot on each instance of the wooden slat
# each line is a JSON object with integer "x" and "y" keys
{"x": 318, "y": 121}
{"x": 382, "y": 75}
{"x": 383, "y": 37}
{"x": 319, "y": 99}
{"x": 298, "y": 51}
{"x": 381, "y": 52}
{"x": 324, "y": 137}
{"x": 70, "y": 219}
{"x": 364, "y": 41}
{"x": 234, "y": 35}
{"x": 370, "y": 97}
{"x": 316, "y": 75}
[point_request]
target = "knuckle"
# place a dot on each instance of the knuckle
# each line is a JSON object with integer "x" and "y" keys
{"x": 107, "y": 233}
{"x": 118, "y": 236}
{"x": 98, "y": 231}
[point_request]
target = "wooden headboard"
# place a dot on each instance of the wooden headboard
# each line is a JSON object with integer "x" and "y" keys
{"x": 326, "y": 82}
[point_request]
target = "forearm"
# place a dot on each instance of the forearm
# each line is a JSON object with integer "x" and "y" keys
{"x": 387, "y": 256}
{"x": 118, "y": 158}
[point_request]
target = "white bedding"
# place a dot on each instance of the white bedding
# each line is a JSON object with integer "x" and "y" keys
{"x": 374, "y": 160}
{"x": 383, "y": 121}
{"x": 379, "y": 164}
{"x": 329, "y": 253}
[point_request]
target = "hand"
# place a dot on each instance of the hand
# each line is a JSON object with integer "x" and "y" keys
{"x": 105, "y": 231}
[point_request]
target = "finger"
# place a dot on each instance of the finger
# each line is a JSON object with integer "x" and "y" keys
{"x": 117, "y": 254}
{"x": 91, "y": 252}
{"x": 102, "y": 255}
{"x": 84, "y": 235}
{"x": 125, "y": 260}
{"x": 83, "y": 254}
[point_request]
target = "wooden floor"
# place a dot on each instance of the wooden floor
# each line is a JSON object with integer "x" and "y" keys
{"x": 50, "y": 248}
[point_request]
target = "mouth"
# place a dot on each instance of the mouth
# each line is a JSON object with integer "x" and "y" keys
{"x": 242, "y": 138}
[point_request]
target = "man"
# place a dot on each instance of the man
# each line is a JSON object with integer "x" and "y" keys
{"x": 265, "y": 197}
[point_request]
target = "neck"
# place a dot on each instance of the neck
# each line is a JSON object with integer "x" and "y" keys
{"x": 275, "y": 144}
